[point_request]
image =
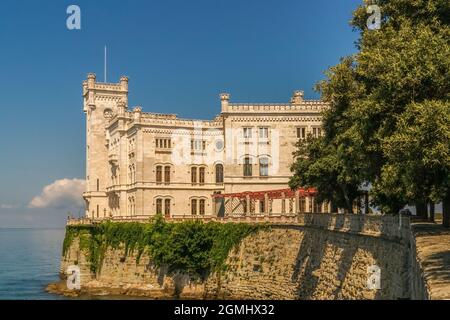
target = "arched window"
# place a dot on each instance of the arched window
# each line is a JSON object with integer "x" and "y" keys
{"x": 247, "y": 167}
{"x": 201, "y": 178}
{"x": 167, "y": 207}
{"x": 158, "y": 206}
{"x": 194, "y": 207}
{"x": 194, "y": 175}
{"x": 202, "y": 207}
{"x": 159, "y": 174}
{"x": 264, "y": 166}
{"x": 167, "y": 175}
{"x": 219, "y": 173}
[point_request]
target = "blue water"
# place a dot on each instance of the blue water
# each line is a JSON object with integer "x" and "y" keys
{"x": 29, "y": 261}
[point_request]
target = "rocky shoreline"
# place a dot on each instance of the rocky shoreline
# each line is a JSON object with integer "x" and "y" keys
{"x": 98, "y": 289}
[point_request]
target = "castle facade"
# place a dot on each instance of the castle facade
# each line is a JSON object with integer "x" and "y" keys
{"x": 139, "y": 164}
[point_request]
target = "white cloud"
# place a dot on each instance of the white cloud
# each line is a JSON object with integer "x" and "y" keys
{"x": 7, "y": 206}
{"x": 61, "y": 194}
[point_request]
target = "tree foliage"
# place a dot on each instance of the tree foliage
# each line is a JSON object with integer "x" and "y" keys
{"x": 404, "y": 65}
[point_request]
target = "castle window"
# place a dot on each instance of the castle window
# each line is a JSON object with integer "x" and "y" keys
{"x": 198, "y": 145}
{"x": 317, "y": 132}
{"x": 159, "y": 174}
{"x": 167, "y": 175}
{"x": 167, "y": 207}
{"x": 158, "y": 206}
{"x": 194, "y": 175}
{"x": 219, "y": 173}
{"x": 301, "y": 133}
{"x": 98, "y": 184}
{"x": 264, "y": 167}
{"x": 247, "y": 167}
{"x": 263, "y": 133}
{"x": 202, "y": 207}
{"x": 163, "y": 143}
{"x": 201, "y": 179}
{"x": 194, "y": 207}
{"x": 247, "y": 133}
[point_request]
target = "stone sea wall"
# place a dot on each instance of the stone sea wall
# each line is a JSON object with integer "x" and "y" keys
{"x": 319, "y": 256}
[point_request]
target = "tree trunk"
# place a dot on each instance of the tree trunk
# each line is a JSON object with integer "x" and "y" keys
{"x": 350, "y": 207}
{"x": 432, "y": 212}
{"x": 334, "y": 208}
{"x": 421, "y": 209}
{"x": 446, "y": 211}
{"x": 366, "y": 203}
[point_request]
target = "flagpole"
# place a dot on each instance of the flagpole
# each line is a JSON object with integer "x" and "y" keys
{"x": 105, "y": 62}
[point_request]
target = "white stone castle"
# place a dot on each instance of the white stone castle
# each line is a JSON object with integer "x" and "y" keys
{"x": 139, "y": 164}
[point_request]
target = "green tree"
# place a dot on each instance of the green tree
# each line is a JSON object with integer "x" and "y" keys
{"x": 420, "y": 150}
{"x": 406, "y": 61}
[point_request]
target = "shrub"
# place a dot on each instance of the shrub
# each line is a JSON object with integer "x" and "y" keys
{"x": 192, "y": 247}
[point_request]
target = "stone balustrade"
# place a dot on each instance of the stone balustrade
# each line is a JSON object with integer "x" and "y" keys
{"x": 388, "y": 227}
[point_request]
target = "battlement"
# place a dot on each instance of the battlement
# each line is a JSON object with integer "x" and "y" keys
{"x": 306, "y": 106}
{"x": 173, "y": 120}
{"x": 297, "y": 104}
{"x": 92, "y": 84}
{"x": 94, "y": 91}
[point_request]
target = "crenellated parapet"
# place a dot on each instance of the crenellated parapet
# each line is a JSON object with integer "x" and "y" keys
{"x": 297, "y": 105}
{"x": 96, "y": 92}
{"x": 306, "y": 106}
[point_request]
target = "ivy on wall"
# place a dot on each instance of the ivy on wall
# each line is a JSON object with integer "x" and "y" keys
{"x": 192, "y": 247}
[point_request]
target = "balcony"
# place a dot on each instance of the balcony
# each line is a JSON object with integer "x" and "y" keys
{"x": 113, "y": 159}
{"x": 163, "y": 150}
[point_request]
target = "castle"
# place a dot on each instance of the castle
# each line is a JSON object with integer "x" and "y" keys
{"x": 139, "y": 164}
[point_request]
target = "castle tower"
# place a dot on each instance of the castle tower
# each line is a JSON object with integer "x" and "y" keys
{"x": 101, "y": 102}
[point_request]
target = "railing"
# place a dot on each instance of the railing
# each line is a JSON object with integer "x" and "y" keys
{"x": 388, "y": 227}
{"x": 251, "y": 218}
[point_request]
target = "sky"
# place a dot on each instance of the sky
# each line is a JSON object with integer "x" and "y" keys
{"x": 178, "y": 54}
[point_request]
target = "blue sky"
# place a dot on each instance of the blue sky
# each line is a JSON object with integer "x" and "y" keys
{"x": 179, "y": 56}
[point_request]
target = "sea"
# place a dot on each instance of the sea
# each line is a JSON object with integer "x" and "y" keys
{"x": 29, "y": 261}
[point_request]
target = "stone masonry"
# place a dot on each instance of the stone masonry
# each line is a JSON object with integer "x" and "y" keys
{"x": 321, "y": 256}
